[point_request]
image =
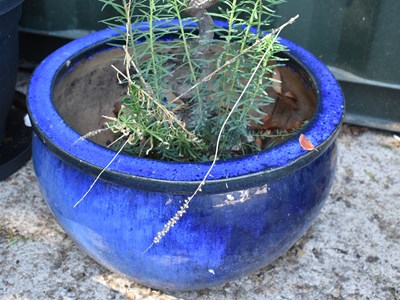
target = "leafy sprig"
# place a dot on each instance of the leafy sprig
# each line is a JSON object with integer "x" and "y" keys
{"x": 210, "y": 102}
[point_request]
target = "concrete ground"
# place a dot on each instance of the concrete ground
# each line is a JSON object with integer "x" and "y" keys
{"x": 351, "y": 252}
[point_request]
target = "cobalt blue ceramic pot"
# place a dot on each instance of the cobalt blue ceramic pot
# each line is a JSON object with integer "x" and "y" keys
{"x": 250, "y": 212}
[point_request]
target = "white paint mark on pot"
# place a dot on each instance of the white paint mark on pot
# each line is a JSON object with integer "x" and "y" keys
{"x": 230, "y": 197}
{"x": 243, "y": 196}
{"x": 27, "y": 121}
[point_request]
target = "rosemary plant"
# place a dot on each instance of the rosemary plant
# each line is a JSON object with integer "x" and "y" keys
{"x": 184, "y": 80}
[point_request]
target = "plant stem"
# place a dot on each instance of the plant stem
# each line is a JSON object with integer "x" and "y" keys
{"x": 200, "y": 112}
{"x": 152, "y": 8}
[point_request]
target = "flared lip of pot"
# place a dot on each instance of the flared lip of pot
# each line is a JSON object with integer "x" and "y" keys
{"x": 7, "y": 5}
{"x": 238, "y": 173}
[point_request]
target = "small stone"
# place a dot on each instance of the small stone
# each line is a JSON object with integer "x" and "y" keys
{"x": 372, "y": 259}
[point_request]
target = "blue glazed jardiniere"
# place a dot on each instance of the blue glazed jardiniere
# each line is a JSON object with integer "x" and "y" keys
{"x": 251, "y": 210}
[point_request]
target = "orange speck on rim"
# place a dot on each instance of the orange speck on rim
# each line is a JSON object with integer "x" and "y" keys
{"x": 305, "y": 143}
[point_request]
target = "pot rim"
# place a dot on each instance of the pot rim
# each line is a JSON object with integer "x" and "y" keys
{"x": 255, "y": 168}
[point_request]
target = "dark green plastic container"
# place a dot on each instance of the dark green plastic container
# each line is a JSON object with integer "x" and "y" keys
{"x": 10, "y": 12}
{"x": 360, "y": 42}
{"x": 63, "y": 18}
{"x": 46, "y": 25}
{"x": 15, "y": 137}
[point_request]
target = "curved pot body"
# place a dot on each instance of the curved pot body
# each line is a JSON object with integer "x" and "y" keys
{"x": 10, "y": 12}
{"x": 250, "y": 212}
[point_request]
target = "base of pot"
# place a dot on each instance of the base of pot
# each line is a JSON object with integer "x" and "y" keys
{"x": 15, "y": 149}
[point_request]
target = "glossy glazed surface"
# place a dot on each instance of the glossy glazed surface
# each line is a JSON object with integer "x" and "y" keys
{"x": 222, "y": 237}
{"x": 252, "y": 210}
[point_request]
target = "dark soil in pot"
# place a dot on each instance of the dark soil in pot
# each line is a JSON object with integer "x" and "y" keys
{"x": 92, "y": 91}
{"x": 89, "y": 93}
